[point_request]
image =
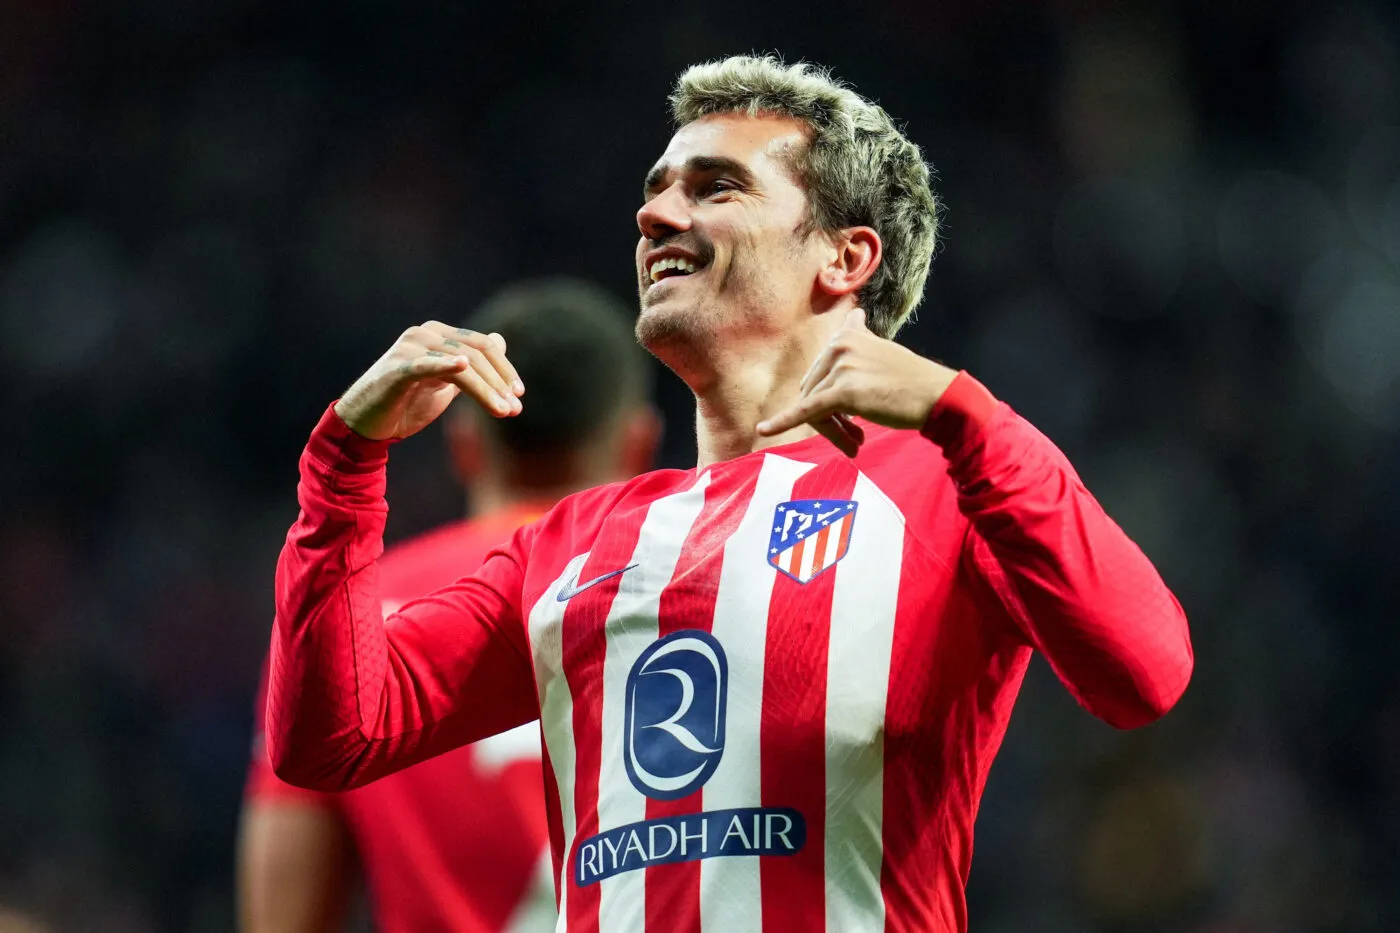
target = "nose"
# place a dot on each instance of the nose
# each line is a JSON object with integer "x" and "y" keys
{"x": 664, "y": 215}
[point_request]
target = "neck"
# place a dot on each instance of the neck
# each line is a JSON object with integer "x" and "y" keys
{"x": 749, "y": 386}
{"x": 514, "y": 482}
{"x": 486, "y": 499}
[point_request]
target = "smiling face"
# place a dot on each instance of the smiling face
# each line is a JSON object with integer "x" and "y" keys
{"x": 723, "y": 254}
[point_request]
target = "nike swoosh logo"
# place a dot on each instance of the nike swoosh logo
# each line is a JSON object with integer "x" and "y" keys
{"x": 572, "y": 590}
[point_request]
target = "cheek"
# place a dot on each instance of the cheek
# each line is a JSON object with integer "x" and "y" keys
{"x": 756, "y": 249}
{"x": 776, "y": 256}
{"x": 762, "y": 253}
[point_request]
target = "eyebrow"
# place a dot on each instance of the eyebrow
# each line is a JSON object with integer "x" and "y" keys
{"x": 699, "y": 165}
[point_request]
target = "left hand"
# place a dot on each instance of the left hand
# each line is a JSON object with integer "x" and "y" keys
{"x": 860, "y": 373}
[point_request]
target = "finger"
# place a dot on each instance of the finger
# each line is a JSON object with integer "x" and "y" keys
{"x": 429, "y": 334}
{"x": 471, "y": 382}
{"x": 486, "y": 354}
{"x": 494, "y": 347}
{"x": 805, "y": 411}
{"x": 825, "y": 383}
{"x": 855, "y": 319}
{"x": 436, "y": 335}
{"x": 481, "y": 363}
{"x": 506, "y": 367}
{"x": 856, "y": 432}
{"x": 832, "y": 430}
{"x": 819, "y": 368}
{"x": 440, "y": 365}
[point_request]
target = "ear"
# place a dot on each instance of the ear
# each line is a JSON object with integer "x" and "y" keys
{"x": 856, "y": 256}
{"x": 641, "y": 436}
{"x": 466, "y": 447}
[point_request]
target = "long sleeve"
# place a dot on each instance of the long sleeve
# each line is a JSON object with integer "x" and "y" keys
{"x": 1078, "y": 588}
{"x": 353, "y": 696}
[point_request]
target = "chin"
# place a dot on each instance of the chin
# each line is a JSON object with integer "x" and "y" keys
{"x": 673, "y": 333}
{"x": 662, "y": 324}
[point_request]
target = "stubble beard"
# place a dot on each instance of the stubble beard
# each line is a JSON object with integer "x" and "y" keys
{"x": 677, "y": 335}
{"x": 687, "y": 336}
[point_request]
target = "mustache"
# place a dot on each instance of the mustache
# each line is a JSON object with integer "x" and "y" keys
{"x": 702, "y": 249}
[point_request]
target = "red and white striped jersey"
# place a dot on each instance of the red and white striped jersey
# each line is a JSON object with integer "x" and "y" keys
{"x": 769, "y": 690}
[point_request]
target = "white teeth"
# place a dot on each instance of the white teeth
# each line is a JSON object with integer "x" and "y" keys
{"x": 673, "y": 262}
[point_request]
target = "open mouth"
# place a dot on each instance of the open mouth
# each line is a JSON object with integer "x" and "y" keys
{"x": 671, "y": 267}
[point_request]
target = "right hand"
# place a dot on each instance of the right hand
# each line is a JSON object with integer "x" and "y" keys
{"x": 420, "y": 375}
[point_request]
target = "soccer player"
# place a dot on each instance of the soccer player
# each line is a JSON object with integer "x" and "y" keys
{"x": 457, "y": 843}
{"x": 771, "y": 686}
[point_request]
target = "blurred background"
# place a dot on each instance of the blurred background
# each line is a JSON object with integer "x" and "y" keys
{"x": 1172, "y": 241}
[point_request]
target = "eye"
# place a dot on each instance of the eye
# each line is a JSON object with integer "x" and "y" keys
{"x": 718, "y": 186}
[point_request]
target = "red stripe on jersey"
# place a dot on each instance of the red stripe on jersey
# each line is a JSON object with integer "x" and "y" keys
{"x": 819, "y": 557}
{"x": 929, "y": 768}
{"x": 584, "y": 648}
{"x": 794, "y": 689}
{"x": 688, "y": 602}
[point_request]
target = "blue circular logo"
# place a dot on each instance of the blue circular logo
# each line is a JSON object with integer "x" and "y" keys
{"x": 676, "y": 696}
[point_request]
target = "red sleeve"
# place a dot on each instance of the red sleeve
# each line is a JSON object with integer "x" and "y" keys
{"x": 1079, "y": 589}
{"x": 264, "y": 786}
{"x": 353, "y": 696}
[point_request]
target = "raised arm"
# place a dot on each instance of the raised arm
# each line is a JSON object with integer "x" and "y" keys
{"x": 352, "y": 696}
{"x": 1079, "y": 589}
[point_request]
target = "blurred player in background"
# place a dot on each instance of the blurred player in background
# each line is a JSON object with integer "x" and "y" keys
{"x": 771, "y": 687}
{"x": 460, "y": 843}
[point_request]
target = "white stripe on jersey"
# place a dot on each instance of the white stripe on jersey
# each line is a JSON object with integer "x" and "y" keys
{"x": 631, "y": 627}
{"x": 557, "y": 707}
{"x": 863, "y": 605}
{"x": 730, "y": 894}
{"x": 809, "y": 551}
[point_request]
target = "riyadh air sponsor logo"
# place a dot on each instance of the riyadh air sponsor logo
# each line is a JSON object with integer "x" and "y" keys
{"x": 810, "y": 536}
{"x": 747, "y": 831}
{"x": 677, "y": 692}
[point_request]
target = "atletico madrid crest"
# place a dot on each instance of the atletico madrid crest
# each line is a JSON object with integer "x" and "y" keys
{"x": 810, "y": 536}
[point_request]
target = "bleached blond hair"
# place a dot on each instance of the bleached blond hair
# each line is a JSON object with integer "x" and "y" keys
{"x": 858, "y": 169}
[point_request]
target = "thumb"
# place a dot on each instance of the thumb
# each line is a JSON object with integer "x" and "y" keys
{"x": 855, "y": 318}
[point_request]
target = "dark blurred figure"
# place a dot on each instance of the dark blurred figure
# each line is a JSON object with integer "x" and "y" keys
{"x": 460, "y": 842}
